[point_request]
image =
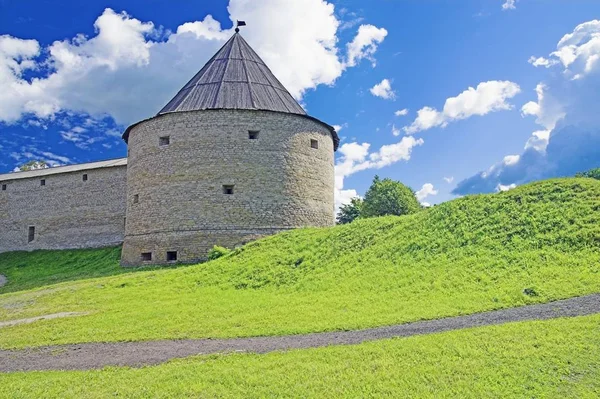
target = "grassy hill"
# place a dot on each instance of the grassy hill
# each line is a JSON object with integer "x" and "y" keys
{"x": 536, "y": 243}
{"x": 543, "y": 359}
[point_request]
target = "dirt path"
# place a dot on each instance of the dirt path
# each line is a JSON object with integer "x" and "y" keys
{"x": 135, "y": 354}
{"x": 3, "y": 280}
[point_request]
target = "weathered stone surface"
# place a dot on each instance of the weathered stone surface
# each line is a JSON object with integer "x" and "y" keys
{"x": 280, "y": 181}
{"x": 67, "y": 212}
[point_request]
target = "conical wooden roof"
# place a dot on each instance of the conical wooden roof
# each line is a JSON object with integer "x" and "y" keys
{"x": 234, "y": 78}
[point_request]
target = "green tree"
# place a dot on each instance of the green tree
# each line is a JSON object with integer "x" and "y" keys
{"x": 33, "y": 165}
{"x": 592, "y": 173}
{"x": 349, "y": 212}
{"x": 389, "y": 197}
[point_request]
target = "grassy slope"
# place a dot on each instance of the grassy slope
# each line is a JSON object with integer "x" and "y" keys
{"x": 549, "y": 359}
{"x": 35, "y": 269}
{"x": 27, "y": 270}
{"x": 472, "y": 254}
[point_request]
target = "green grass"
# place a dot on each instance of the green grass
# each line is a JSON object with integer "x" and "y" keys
{"x": 537, "y": 243}
{"x": 26, "y": 270}
{"x": 550, "y": 359}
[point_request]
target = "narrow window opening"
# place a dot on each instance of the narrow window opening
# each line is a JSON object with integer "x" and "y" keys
{"x": 43, "y": 182}
{"x": 85, "y": 177}
{"x": 146, "y": 256}
{"x": 171, "y": 256}
{"x": 253, "y": 134}
{"x": 163, "y": 141}
{"x": 228, "y": 189}
{"x": 314, "y": 144}
{"x": 4, "y": 187}
{"x": 136, "y": 198}
{"x": 31, "y": 234}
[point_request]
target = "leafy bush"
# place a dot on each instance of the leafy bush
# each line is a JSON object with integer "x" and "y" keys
{"x": 389, "y": 197}
{"x": 216, "y": 252}
{"x": 349, "y": 212}
{"x": 592, "y": 173}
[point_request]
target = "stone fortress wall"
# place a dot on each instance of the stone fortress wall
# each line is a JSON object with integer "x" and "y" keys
{"x": 66, "y": 211}
{"x": 181, "y": 166}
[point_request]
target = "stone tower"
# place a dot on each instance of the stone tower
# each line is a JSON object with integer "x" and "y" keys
{"x": 231, "y": 158}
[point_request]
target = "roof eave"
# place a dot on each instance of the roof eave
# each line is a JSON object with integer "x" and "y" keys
{"x": 334, "y": 135}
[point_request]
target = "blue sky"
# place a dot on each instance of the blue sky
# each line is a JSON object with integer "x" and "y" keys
{"x": 74, "y": 74}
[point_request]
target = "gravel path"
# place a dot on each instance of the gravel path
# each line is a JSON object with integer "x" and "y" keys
{"x": 3, "y": 280}
{"x": 136, "y": 354}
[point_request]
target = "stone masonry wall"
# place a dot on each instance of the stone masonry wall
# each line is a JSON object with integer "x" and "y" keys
{"x": 280, "y": 181}
{"x": 67, "y": 212}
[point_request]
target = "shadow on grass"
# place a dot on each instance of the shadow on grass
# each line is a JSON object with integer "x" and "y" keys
{"x": 27, "y": 270}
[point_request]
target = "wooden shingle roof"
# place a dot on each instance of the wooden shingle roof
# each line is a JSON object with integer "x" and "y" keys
{"x": 234, "y": 78}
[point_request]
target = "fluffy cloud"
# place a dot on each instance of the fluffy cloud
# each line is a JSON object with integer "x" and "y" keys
{"x": 541, "y": 61}
{"x": 383, "y": 90}
{"x": 395, "y": 131}
{"x": 488, "y": 97}
{"x": 578, "y": 52}
{"x": 365, "y": 44}
{"x": 449, "y": 179}
{"x": 129, "y": 69}
{"x": 567, "y": 110}
{"x": 426, "y": 191}
{"x": 355, "y": 157}
{"x": 547, "y": 110}
{"x": 509, "y": 5}
{"x": 401, "y": 112}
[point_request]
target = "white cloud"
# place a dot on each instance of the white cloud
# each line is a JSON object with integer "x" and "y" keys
{"x": 426, "y": 191}
{"x": 538, "y": 140}
{"x": 511, "y": 159}
{"x": 129, "y": 69}
{"x": 509, "y": 5}
{"x": 401, "y": 112}
{"x": 547, "y": 109}
{"x": 449, "y": 179}
{"x": 541, "y": 61}
{"x": 488, "y": 97}
{"x": 355, "y": 157}
{"x": 338, "y": 128}
{"x": 395, "y": 131}
{"x": 31, "y": 153}
{"x": 501, "y": 187}
{"x": 578, "y": 52}
{"x": 365, "y": 44}
{"x": 567, "y": 111}
{"x": 383, "y": 90}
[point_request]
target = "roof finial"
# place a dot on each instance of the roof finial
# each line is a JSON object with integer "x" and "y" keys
{"x": 237, "y": 26}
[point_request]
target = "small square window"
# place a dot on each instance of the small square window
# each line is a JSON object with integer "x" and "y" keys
{"x": 314, "y": 144}
{"x": 228, "y": 189}
{"x": 171, "y": 256}
{"x": 85, "y": 177}
{"x": 136, "y": 198}
{"x": 43, "y": 182}
{"x": 146, "y": 256}
{"x": 31, "y": 234}
{"x": 253, "y": 134}
{"x": 165, "y": 140}
{"x": 4, "y": 187}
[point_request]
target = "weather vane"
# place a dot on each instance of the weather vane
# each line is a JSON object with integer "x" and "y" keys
{"x": 239, "y": 23}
